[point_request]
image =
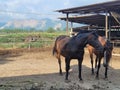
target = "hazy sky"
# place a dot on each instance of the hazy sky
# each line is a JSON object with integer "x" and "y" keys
{"x": 21, "y": 9}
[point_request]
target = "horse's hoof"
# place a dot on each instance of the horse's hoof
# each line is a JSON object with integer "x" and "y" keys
{"x": 81, "y": 81}
{"x": 67, "y": 81}
{"x": 61, "y": 74}
{"x": 110, "y": 81}
{"x": 97, "y": 78}
{"x": 105, "y": 78}
{"x": 92, "y": 73}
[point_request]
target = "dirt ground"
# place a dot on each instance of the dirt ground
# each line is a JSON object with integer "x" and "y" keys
{"x": 39, "y": 71}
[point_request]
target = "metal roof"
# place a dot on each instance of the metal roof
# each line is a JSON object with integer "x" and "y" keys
{"x": 97, "y": 20}
{"x": 94, "y": 8}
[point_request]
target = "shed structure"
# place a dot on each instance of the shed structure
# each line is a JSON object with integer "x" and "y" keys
{"x": 104, "y": 16}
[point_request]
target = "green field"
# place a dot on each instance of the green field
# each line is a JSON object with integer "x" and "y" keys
{"x": 16, "y": 38}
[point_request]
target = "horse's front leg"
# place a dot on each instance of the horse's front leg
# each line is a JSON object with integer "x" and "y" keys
{"x": 99, "y": 64}
{"x": 106, "y": 69}
{"x": 67, "y": 62}
{"x": 80, "y": 67}
{"x": 91, "y": 56}
{"x": 96, "y": 60}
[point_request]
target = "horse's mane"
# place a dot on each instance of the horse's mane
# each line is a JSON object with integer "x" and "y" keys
{"x": 88, "y": 31}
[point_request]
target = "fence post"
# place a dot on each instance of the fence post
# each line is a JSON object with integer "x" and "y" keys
{"x": 29, "y": 46}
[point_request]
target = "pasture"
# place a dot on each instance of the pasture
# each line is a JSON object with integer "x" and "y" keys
{"x": 38, "y": 69}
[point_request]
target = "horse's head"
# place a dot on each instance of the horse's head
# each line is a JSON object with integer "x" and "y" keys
{"x": 107, "y": 53}
{"x": 94, "y": 41}
{"x": 90, "y": 38}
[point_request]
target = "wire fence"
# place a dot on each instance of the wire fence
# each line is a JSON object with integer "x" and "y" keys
{"x": 32, "y": 44}
{"x": 27, "y": 39}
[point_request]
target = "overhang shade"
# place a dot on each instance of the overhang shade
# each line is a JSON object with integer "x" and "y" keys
{"x": 97, "y": 20}
{"x": 95, "y": 8}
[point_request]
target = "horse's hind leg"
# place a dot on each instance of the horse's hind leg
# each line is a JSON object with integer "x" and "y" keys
{"x": 60, "y": 69}
{"x": 59, "y": 62}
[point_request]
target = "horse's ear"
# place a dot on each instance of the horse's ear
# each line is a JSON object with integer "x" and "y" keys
{"x": 94, "y": 31}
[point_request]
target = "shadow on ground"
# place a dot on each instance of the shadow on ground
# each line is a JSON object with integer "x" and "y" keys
{"x": 53, "y": 81}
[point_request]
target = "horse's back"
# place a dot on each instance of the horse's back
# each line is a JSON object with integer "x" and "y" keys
{"x": 62, "y": 39}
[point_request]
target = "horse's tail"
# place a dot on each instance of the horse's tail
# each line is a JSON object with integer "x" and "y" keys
{"x": 54, "y": 48}
{"x": 55, "y": 45}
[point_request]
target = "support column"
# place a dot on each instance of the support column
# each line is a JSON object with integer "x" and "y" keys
{"x": 110, "y": 14}
{"x": 109, "y": 29}
{"x": 71, "y": 31}
{"x": 106, "y": 25}
{"x": 67, "y": 24}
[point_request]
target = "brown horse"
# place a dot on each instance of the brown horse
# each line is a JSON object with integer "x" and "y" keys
{"x": 107, "y": 54}
{"x": 73, "y": 48}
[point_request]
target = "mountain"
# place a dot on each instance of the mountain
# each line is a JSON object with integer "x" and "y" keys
{"x": 27, "y": 24}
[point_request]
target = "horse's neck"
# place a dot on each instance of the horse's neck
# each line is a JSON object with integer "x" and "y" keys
{"x": 81, "y": 39}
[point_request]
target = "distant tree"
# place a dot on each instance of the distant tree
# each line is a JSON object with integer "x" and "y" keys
{"x": 50, "y": 30}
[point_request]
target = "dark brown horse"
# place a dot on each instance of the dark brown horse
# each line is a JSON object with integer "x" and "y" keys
{"x": 107, "y": 54}
{"x": 73, "y": 48}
